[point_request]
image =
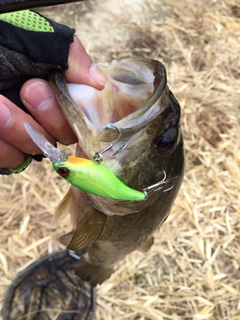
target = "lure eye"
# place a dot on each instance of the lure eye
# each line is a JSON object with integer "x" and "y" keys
{"x": 63, "y": 172}
{"x": 167, "y": 141}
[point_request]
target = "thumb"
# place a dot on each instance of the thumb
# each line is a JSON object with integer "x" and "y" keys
{"x": 81, "y": 67}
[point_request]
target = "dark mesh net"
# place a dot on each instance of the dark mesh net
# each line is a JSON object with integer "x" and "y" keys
{"x": 49, "y": 289}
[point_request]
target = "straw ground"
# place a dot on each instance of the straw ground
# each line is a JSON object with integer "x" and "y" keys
{"x": 192, "y": 270}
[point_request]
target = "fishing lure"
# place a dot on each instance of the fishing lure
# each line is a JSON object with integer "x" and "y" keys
{"x": 84, "y": 174}
{"x": 96, "y": 179}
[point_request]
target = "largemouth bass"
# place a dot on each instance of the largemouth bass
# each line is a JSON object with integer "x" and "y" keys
{"x": 132, "y": 127}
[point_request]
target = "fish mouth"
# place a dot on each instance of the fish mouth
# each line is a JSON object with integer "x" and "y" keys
{"x": 134, "y": 84}
{"x": 129, "y": 101}
{"x": 128, "y": 88}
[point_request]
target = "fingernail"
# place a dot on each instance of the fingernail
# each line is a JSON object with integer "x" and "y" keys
{"x": 97, "y": 75}
{"x": 38, "y": 96}
{"x": 5, "y": 115}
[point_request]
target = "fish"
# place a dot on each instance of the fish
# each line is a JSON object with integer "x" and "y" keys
{"x": 132, "y": 127}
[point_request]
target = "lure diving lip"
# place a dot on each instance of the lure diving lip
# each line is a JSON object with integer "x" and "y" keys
{"x": 15, "y": 5}
{"x": 53, "y": 153}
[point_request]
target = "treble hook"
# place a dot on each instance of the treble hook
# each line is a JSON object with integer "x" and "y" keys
{"x": 159, "y": 185}
{"x": 99, "y": 155}
{"x": 170, "y": 188}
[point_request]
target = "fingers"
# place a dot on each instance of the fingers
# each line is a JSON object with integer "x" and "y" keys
{"x": 47, "y": 118}
{"x": 82, "y": 69}
{"x": 38, "y": 97}
{"x": 10, "y": 157}
{"x": 14, "y": 140}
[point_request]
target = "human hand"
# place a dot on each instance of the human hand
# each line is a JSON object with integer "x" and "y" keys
{"x": 48, "y": 118}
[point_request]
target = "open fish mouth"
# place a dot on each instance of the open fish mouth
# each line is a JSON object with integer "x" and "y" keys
{"x": 130, "y": 86}
{"x": 127, "y": 104}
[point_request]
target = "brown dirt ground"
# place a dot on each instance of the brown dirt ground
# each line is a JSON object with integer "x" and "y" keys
{"x": 193, "y": 269}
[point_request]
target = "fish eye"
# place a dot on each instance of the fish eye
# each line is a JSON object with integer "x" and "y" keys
{"x": 167, "y": 141}
{"x": 63, "y": 172}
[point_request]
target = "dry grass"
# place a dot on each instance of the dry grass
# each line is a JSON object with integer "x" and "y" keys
{"x": 193, "y": 269}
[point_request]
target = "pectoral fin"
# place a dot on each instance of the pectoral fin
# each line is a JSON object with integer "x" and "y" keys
{"x": 88, "y": 230}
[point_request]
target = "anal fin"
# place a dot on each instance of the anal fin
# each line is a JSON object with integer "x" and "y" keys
{"x": 93, "y": 274}
{"x": 66, "y": 238}
{"x": 87, "y": 230}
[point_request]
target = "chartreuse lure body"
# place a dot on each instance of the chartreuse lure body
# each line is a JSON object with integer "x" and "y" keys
{"x": 96, "y": 179}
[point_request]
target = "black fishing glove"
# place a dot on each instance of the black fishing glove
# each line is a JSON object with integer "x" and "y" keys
{"x": 30, "y": 46}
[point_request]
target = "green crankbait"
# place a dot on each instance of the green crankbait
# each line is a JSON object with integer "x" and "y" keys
{"x": 85, "y": 174}
{"x": 96, "y": 179}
